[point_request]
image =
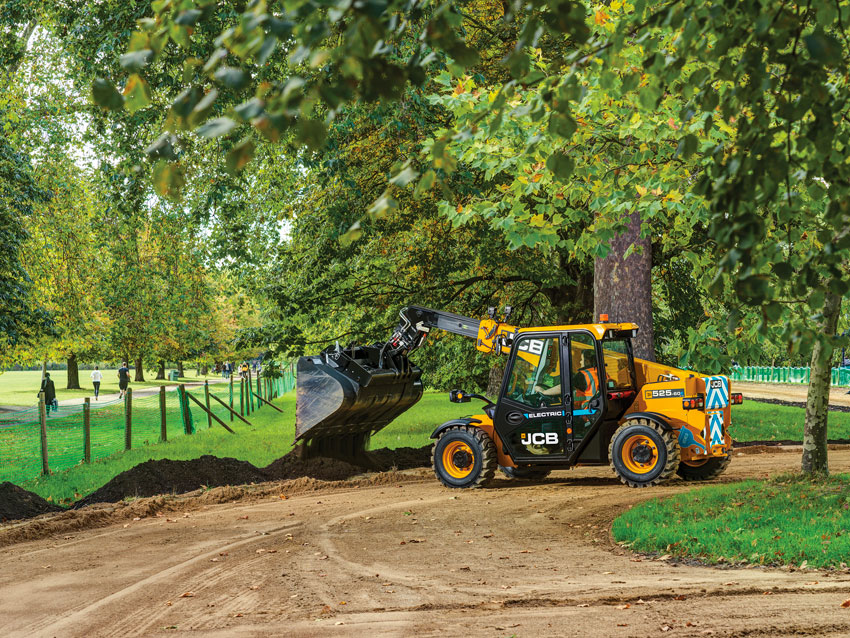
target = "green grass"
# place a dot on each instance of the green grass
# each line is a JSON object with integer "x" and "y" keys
{"x": 783, "y": 521}
{"x": 754, "y": 421}
{"x": 20, "y": 388}
{"x": 269, "y": 438}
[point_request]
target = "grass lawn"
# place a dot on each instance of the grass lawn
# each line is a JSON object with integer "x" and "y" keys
{"x": 21, "y": 388}
{"x": 782, "y": 521}
{"x": 268, "y": 439}
{"x": 754, "y": 421}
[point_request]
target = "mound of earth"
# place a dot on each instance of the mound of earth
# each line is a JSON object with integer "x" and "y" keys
{"x": 165, "y": 476}
{"x": 17, "y": 503}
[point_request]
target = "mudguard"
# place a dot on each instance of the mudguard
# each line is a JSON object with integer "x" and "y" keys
{"x": 453, "y": 423}
{"x": 652, "y": 416}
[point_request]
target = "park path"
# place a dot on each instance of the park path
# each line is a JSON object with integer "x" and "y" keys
{"x": 139, "y": 393}
{"x": 794, "y": 392}
{"x": 398, "y": 555}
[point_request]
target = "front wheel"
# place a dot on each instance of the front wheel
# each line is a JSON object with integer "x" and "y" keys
{"x": 526, "y": 472}
{"x": 464, "y": 456}
{"x": 704, "y": 470}
{"x": 643, "y": 454}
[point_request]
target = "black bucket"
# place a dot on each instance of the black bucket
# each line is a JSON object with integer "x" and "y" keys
{"x": 345, "y": 395}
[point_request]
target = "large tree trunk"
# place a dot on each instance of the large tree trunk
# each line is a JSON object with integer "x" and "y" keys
{"x": 180, "y": 369}
{"x": 160, "y": 371}
{"x": 140, "y": 370}
{"x": 622, "y": 288}
{"x": 43, "y": 369}
{"x": 73, "y": 373}
{"x": 204, "y": 370}
{"x": 494, "y": 381}
{"x": 817, "y": 403}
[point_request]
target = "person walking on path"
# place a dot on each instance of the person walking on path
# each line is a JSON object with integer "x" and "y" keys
{"x": 96, "y": 378}
{"x": 123, "y": 379}
{"x": 49, "y": 393}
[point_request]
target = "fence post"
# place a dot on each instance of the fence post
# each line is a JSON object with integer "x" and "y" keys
{"x": 249, "y": 392}
{"x": 42, "y": 417}
{"x": 231, "y": 395}
{"x": 87, "y": 430}
{"x": 184, "y": 409}
{"x": 241, "y": 396}
{"x": 259, "y": 389}
{"x": 128, "y": 419}
{"x": 163, "y": 430}
{"x": 207, "y": 398}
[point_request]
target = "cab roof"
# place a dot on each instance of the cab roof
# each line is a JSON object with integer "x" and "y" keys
{"x": 597, "y": 329}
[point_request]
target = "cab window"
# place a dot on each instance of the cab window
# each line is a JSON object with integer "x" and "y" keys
{"x": 535, "y": 379}
{"x": 617, "y": 369}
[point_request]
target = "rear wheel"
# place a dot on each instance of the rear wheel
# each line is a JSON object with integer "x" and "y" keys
{"x": 705, "y": 469}
{"x": 643, "y": 454}
{"x": 464, "y": 456}
{"x": 524, "y": 472}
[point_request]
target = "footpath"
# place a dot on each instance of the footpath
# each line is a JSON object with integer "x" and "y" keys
{"x": 144, "y": 391}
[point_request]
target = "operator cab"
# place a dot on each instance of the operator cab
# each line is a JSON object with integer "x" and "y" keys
{"x": 559, "y": 388}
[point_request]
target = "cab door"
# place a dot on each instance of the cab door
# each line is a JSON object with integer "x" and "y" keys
{"x": 533, "y": 414}
{"x": 587, "y": 383}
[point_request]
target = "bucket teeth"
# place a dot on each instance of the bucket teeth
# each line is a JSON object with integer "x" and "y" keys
{"x": 346, "y": 394}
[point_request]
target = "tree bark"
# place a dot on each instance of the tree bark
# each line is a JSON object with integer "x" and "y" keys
{"x": 622, "y": 288}
{"x": 73, "y": 373}
{"x": 494, "y": 381}
{"x": 817, "y": 402}
{"x": 160, "y": 371}
{"x": 180, "y": 369}
{"x": 140, "y": 371}
{"x": 204, "y": 370}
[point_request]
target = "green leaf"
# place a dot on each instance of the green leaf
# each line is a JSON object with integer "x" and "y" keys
{"x": 783, "y": 270}
{"x": 136, "y": 93}
{"x": 406, "y": 175}
{"x": 560, "y": 164}
{"x": 425, "y": 183}
{"x": 216, "y": 127}
{"x": 233, "y": 78}
{"x": 188, "y": 18}
{"x": 382, "y": 205}
{"x": 106, "y": 95}
{"x": 168, "y": 179}
{"x": 239, "y": 156}
{"x": 649, "y": 97}
{"x": 687, "y": 146}
{"x": 824, "y": 48}
{"x": 351, "y": 235}
{"x": 562, "y": 125}
{"x": 136, "y": 60}
{"x": 311, "y": 133}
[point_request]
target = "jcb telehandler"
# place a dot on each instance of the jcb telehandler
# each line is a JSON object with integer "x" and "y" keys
{"x": 571, "y": 395}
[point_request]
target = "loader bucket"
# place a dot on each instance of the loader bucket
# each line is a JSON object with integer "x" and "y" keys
{"x": 345, "y": 395}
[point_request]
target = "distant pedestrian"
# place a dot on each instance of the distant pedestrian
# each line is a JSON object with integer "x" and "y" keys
{"x": 245, "y": 370}
{"x": 123, "y": 379}
{"x": 49, "y": 391}
{"x": 96, "y": 378}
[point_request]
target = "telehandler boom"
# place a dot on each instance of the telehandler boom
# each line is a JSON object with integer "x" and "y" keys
{"x": 571, "y": 395}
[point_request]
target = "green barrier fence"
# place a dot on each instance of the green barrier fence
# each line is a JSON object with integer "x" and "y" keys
{"x": 20, "y": 431}
{"x": 770, "y": 374}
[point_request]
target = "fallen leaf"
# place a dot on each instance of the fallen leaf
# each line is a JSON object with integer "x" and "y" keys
{"x": 254, "y": 587}
{"x": 342, "y": 602}
{"x": 168, "y": 603}
{"x": 846, "y": 603}
{"x": 213, "y": 560}
{"x": 679, "y": 597}
{"x": 583, "y": 605}
{"x": 243, "y": 518}
{"x": 137, "y": 518}
{"x": 283, "y": 496}
{"x": 626, "y": 606}
{"x": 607, "y": 572}
{"x": 666, "y": 628}
{"x": 186, "y": 594}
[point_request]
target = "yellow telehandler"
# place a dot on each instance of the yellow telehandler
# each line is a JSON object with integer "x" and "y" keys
{"x": 571, "y": 395}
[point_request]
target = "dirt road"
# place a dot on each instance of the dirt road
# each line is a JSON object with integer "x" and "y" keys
{"x": 402, "y": 558}
{"x": 787, "y": 392}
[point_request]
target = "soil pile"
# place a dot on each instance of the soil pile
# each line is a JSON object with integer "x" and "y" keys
{"x": 17, "y": 503}
{"x": 165, "y": 476}
{"x": 293, "y": 466}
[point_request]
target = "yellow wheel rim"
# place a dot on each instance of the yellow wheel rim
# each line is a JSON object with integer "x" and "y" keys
{"x": 458, "y": 459}
{"x": 639, "y": 454}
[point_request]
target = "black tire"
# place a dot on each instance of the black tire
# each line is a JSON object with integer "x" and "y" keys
{"x": 711, "y": 469}
{"x": 525, "y": 472}
{"x": 642, "y": 453}
{"x": 458, "y": 471}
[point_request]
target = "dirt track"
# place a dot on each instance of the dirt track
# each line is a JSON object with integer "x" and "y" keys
{"x": 787, "y": 391}
{"x": 398, "y": 559}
